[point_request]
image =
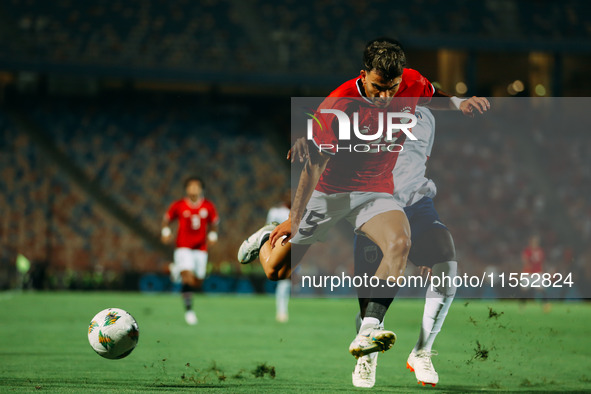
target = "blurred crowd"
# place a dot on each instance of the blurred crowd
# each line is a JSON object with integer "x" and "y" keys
{"x": 140, "y": 158}
{"x": 222, "y": 36}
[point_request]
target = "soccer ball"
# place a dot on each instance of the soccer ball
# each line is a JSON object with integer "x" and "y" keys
{"x": 113, "y": 333}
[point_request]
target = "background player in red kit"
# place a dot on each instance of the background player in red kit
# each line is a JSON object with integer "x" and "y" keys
{"x": 533, "y": 258}
{"x": 198, "y": 221}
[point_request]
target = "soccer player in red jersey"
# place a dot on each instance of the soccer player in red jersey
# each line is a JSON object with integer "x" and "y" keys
{"x": 533, "y": 258}
{"x": 337, "y": 185}
{"x": 198, "y": 222}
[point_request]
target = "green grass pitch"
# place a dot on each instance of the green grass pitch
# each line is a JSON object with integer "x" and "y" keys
{"x": 238, "y": 346}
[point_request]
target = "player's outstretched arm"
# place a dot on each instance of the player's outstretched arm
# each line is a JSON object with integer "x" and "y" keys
{"x": 467, "y": 106}
{"x": 311, "y": 172}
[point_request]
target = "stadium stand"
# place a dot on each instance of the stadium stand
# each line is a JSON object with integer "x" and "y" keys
{"x": 225, "y": 36}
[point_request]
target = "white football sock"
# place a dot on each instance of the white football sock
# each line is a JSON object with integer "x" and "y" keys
{"x": 369, "y": 321}
{"x": 437, "y": 303}
{"x": 359, "y": 322}
{"x": 282, "y": 296}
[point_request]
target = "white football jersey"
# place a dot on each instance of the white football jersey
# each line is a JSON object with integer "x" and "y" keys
{"x": 410, "y": 183}
{"x": 278, "y": 214}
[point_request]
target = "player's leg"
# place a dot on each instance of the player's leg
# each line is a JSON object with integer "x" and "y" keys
{"x": 367, "y": 257}
{"x": 435, "y": 248}
{"x": 391, "y": 232}
{"x": 282, "y": 293}
{"x": 279, "y": 260}
{"x": 183, "y": 259}
{"x": 200, "y": 260}
{"x": 194, "y": 281}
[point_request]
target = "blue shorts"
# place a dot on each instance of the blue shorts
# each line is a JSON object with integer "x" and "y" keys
{"x": 422, "y": 216}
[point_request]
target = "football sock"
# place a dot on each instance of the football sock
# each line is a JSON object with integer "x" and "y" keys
{"x": 362, "y": 306}
{"x": 187, "y": 294}
{"x": 282, "y": 296}
{"x": 377, "y": 309}
{"x": 378, "y": 303}
{"x": 371, "y": 321}
{"x": 437, "y": 303}
{"x": 359, "y": 321}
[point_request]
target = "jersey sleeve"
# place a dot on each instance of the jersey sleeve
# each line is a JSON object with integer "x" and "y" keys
{"x": 323, "y": 128}
{"x": 172, "y": 212}
{"x": 422, "y": 88}
{"x": 212, "y": 217}
{"x": 431, "y": 124}
{"x": 426, "y": 92}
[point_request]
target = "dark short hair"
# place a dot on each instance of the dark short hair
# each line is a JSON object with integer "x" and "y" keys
{"x": 193, "y": 179}
{"x": 385, "y": 56}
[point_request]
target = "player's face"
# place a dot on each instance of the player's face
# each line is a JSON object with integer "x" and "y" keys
{"x": 379, "y": 89}
{"x": 194, "y": 190}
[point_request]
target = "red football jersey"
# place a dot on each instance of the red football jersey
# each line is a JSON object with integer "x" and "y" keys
{"x": 194, "y": 219}
{"x": 369, "y": 171}
{"x": 533, "y": 260}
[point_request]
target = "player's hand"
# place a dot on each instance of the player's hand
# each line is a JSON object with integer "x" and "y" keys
{"x": 166, "y": 239}
{"x": 299, "y": 150}
{"x": 284, "y": 229}
{"x": 424, "y": 271}
{"x": 481, "y": 104}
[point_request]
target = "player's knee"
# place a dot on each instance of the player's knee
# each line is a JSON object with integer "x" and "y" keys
{"x": 398, "y": 246}
{"x": 276, "y": 273}
{"x": 446, "y": 253}
{"x": 444, "y": 249}
{"x": 272, "y": 274}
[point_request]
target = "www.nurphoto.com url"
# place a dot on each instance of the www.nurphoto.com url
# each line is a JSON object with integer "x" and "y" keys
{"x": 490, "y": 279}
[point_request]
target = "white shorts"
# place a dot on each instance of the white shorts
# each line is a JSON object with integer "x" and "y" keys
{"x": 186, "y": 259}
{"x": 326, "y": 210}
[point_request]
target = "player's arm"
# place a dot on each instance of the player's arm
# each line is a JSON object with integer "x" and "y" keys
{"x": 212, "y": 225}
{"x": 299, "y": 150}
{"x": 467, "y": 106}
{"x": 212, "y": 235}
{"x": 166, "y": 232}
{"x": 313, "y": 168}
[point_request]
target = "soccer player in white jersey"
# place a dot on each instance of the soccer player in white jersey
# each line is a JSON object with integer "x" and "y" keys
{"x": 432, "y": 246}
{"x": 279, "y": 214}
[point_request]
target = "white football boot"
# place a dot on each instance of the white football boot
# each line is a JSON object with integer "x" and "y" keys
{"x": 364, "y": 374}
{"x": 191, "y": 318}
{"x": 249, "y": 250}
{"x": 420, "y": 363}
{"x": 371, "y": 339}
